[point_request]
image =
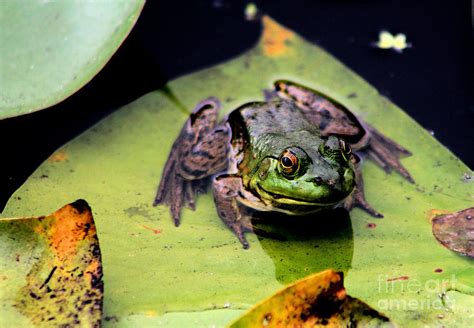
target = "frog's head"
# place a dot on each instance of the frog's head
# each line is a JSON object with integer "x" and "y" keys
{"x": 307, "y": 177}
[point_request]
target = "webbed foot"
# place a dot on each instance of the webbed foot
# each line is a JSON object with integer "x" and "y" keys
{"x": 386, "y": 153}
{"x": 189, "y": 164}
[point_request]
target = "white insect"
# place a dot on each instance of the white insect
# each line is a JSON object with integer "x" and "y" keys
{"x": 389, "y": 41}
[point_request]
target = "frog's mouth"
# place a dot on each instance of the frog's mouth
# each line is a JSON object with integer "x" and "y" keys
{"x": 283, "y": 199}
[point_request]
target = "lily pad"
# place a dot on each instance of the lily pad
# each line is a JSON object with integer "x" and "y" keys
{"x": 50, "y": 49}
{"x": 158, "y": 274}
{"x": 51, "y": 271}
{"x": 319, "y": 300}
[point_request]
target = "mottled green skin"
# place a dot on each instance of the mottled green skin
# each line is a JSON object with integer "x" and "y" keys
{"x": 261, "y": 132}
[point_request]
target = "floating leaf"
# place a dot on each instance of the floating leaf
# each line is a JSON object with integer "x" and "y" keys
{"x": 198, "y": 273}
{"x": 456, "y": 231}
{"x": 50, "y": 269}
{"x": 319, "y": 300}
{"x": 50, "y": 49}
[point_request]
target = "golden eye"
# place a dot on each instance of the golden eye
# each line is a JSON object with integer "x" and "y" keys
{"x": 289, "y": 162}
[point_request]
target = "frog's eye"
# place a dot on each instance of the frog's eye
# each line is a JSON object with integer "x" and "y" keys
{"x": 289, "y": 162}
{"x": 346, "y": 150}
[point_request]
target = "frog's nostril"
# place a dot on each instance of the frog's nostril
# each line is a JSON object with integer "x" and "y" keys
{"x": 331, "y": 182}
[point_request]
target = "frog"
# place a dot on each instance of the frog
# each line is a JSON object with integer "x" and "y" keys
{"x": 296, "y": 152}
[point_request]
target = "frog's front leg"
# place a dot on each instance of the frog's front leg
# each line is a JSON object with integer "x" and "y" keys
{"x": 199, "y": 152}
{"x": 226, "y": 190}
{"x": 357, "y": 197}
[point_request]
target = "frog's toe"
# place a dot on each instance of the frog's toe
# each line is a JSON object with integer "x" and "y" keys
{"x": 388, "y": 161}
{"x": 239, "y": 228}
{"x": 243, "y": 241}
{"x": 387, "y": 153}
{"x": 357, "y": 198}
{"x": 362, "y": 203}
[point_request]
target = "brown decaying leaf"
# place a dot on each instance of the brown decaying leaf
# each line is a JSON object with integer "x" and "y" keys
{"x": 456, "y": 231}
{"x": 319, "y": 300}
{"x": 72, "y": 292}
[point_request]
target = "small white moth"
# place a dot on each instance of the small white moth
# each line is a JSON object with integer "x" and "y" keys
{"x": 395, "y": 42}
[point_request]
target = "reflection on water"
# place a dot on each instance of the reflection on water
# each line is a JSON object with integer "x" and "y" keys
{"x": 300, "y": 246}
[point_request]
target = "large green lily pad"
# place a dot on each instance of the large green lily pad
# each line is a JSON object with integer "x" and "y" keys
{"x": 198, "y": 274}
{"x": 50, "y": 49}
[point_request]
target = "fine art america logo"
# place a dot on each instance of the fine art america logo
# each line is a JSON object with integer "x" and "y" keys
{"x": 417, "y": 295}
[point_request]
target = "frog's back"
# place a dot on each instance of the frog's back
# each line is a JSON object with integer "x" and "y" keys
{"x": 252, "y": 121}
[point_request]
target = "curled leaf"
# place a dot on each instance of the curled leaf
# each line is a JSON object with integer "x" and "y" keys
{"x": 456, "y": 231}
{"x": 51, "y": 269}
{"x": 318, "y": 300}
